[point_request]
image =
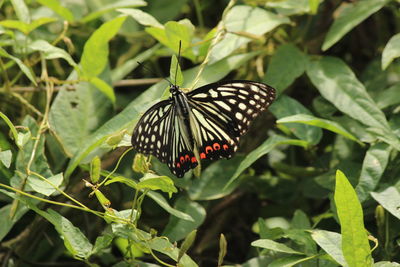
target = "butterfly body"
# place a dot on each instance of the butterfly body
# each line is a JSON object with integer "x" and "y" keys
{"x": 209, "y": 119}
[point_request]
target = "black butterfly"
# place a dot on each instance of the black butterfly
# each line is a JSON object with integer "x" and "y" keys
{"x": 210, "y": 119}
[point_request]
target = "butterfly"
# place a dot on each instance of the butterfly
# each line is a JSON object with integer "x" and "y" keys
{"x": 208, "y": 120}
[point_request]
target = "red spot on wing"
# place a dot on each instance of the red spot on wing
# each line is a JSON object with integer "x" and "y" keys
{"x": 182, "y": 159}
{"x": 187, "y": 157}
{"x": 194, "y": 160}
{"x": 202, "y": 155}
{"x": 216, "y": 146}
{"x": 178, "y": 165}
{"x": 225, "y": 147}
{"x": 208, "y": 149}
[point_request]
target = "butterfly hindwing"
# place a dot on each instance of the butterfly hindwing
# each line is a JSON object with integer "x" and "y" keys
{"x": 161, "y": 133}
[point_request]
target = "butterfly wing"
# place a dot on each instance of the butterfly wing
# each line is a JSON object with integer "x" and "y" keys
{"x": 163, "y": 134}
{"x": 223, "y": 111}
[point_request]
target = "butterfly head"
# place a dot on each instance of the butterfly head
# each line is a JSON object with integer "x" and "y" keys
{"x": 173, "y": 89}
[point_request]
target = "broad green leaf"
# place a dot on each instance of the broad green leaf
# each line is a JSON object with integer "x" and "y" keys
{"x": 21, "y": 10}
{"x": 274, "y": 246}
{"x": 6, "y": 221}
{"x": 102, "y": 242}
{"x": 355, "y": 245}
{"x": 131, "y": 113}
{"x": 173, "y": 33}
{"x": 95, "y": 51}
{"x": 112, "y": 6}
{"x": 56, "y": 6}
{"x": 251, "y": 20}
{"x": 338, "y": 84}
{"x": 5, "y": 158}
{"x": 76, "y": 114}
{"x": 207, "y": 187}
{"x": 290, "y": 7}
{"x": 314, "y": 4}
{"x": 286, "y": 106}
{"x": 142, "y": 17}
{"x": 177, "y": 228}
{"x": 289, "y": 261}
{"x": 51, "y": 52}
{"x": 25, "y": 69}
{"x": 350, "y": 15}
{"x": 391, "y": 51}
{"x": 389, "y": 97}
{"x": 263, "y": 149}
{"x": 165, "y": 205}
{"x": 74, "y": 240}
{"x": 154, "y": 182}
{"x": 103, "y": 87}
{"x": 280, "y": 74}
{"x": 389, "y": 199}
{"x": 26, "y": 28}
{"x": 321, "y": 123}
{"x": 330, "y": 243}
{"x": 374, "y": 164}
{"x": 300, "y": 220}
{"x": 386, "y": 264}
{"x": 161, "y": 245}
{"x": 43, "y": 187}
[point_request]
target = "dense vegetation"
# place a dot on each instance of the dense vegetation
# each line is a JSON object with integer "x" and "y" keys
{"x": 314, "y": 183}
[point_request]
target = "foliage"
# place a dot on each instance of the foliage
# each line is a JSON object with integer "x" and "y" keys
{"x": 318, "y": 188}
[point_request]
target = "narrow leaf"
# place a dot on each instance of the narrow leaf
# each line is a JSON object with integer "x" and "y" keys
{"x": 223, "y": 247}
{"x": 350, "y": 15}
{"x": 103, "y": 87}
{"x": 56, "y": 6}
{"x": 20, "y": 64}
{"x": 186, "y": 244}
{"x": 142, "y": 17}
{"x": 355, "y": 246}
{"x": 391, "y": 50}
{"x": 51, "y": 52}
{"x": 274, "y": 246}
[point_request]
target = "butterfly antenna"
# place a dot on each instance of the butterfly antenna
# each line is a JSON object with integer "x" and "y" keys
{"x": 151, "y": 71}
{"x": 179, "y": 59}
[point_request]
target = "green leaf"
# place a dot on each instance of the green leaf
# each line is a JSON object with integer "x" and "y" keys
{"x": 290, "y": 261}
{"x": 186, "y": 244}
{"x": 51, "y": 52}
{"x": 391, "y": 50}
{"x": 76, "y": 114}
{"x": 374, "y": 164}
{"x": 321, "y": 123}
{"x": 386, "y": 264}
{"x": 300, "y": 220}
{"x": 173, "y": 33}
{"x": 330, "y": 243}
{"x": 290, "y": 7}
{"x": 355, "y": 246}
{"x": 26, "y": 28}
{"x": 258, "y": 21}
{"x": 10, "y": 125}
{"x": 175, "y": 72}
{"x": 43, "y": 187}
{"x": 286, "y": 106}
{"x": 155, "y": 182}
{"x": 103, "y": 87}
{"x": 263, "y": 149}
{"x": 338, "y": 84}
{"x": 95, "y": 167}
{"x": 389, "y": 97}
{"x": 280, "y": 74}
{"x": 350, "y": 15}
{"x": 26, "y": 70}
{"x": 274, "y": 246}
{"x": 95, "y": 51}
{"x": 223, "y": 245}
{"x": 5, "y": 158}
{"x": 165, "y": 205}
{"x": 74, "y": 240}
{"x": 56, "y": 6}
{"x": 21, "y": 10}
{"x": 110, "y": 7}
{"x": 177, "y": 228}
{"x": 132, "y": 112}
{"x": 207, "y": 187}
{"x": 102, "y": 242}
{"x": 389, "y": 199}
{"x": 7, "y": 221}
{"x": 142, "y": 17}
